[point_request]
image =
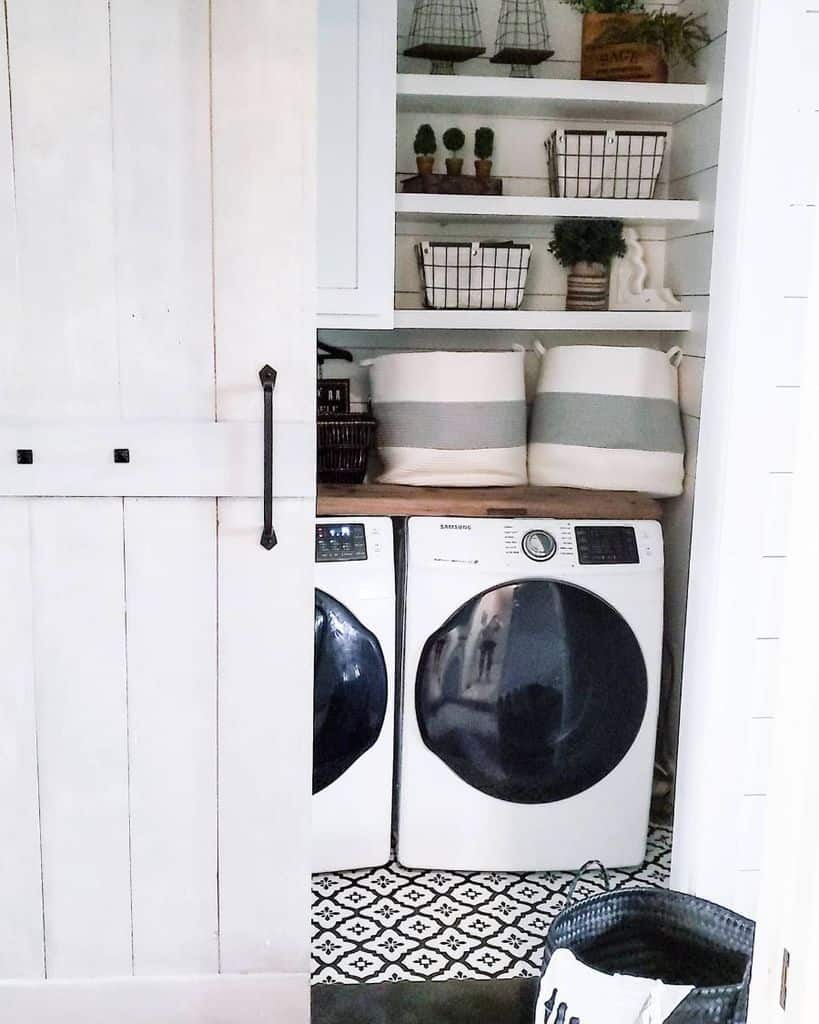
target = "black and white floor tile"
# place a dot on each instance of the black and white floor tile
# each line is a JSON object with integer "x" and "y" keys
{"x": 396, "y": 924}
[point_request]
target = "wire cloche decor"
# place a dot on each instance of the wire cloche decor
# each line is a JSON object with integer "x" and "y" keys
{"x": 523, "y": 36}
{"x": 445, "y": 31}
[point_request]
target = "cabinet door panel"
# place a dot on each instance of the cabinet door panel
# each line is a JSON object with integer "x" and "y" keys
{"x": 356, "y": 163}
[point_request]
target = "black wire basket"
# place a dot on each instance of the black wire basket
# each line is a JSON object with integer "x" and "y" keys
{"x": 675, "y": 938}
{"x": 344, "y": 441}
{"x": 605, "y": 164}
{"x": 473, "y": 275}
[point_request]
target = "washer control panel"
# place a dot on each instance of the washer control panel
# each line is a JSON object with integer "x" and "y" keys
{"x": 341, "y": 542}
{"x": 606, "y": 545}
{"x": 539, "y": 545}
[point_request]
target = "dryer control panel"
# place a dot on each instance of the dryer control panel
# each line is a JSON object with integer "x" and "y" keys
{"x": 606, "y": 545}
{"x": 534, "y": 547}
{"x": 341, "y": 542}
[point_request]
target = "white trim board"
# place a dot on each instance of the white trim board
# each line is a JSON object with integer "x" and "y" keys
{"x": 548, "y": 97}
{"x": 514, "y": 209}
{"x": 167, "y": 459}
{"x": 538, "y": 320}
{"x": 216, "y": 999}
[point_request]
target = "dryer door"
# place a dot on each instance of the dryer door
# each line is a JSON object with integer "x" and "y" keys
{"x": 350, "y": 691}
{"x": 532, "y": 691}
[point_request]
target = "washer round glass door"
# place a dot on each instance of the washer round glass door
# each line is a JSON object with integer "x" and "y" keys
{"x": 350, "y": 690}
{"x": 532, "y": 692}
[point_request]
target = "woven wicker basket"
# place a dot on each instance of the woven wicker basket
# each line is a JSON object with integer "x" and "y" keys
{"x": 678, "y": 939}
{"x": 344, "y": 442}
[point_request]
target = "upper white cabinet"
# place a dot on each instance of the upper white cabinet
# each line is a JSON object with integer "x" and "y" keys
{"x": 356, "y": 173}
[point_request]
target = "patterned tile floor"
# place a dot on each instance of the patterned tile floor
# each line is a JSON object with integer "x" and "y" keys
{"x": 395, "y": 924}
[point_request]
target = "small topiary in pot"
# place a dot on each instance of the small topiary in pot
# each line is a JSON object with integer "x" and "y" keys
{"x": 587, "y": 248}
{"x": 425, "y": 146}
{"x": 454, "y": 141}
{"x": 484, "y": 148}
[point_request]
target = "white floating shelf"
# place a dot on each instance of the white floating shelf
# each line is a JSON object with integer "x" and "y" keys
{"x": 529, "y": 208}
{"x": 546, "y": 97}
{"x": 538, "y": 320}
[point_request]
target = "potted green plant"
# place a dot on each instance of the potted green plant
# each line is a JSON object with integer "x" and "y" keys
{"x": 677, "y": 37}
{"x": 454, "y": 140}
{"x": 586, "y": 248}
{"x": 425, "y": 146}
{"x": 484, "y": 148}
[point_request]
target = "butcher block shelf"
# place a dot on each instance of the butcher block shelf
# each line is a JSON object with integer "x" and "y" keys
{"x": 529, "y": 502}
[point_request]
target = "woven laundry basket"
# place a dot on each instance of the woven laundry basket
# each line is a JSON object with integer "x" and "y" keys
{"x": 670, "y": 936}
{"x": 455, "y": 419}
{"x": 608, "y": 418}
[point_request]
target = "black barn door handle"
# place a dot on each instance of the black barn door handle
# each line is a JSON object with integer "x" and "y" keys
{"x": 267, "y": 375}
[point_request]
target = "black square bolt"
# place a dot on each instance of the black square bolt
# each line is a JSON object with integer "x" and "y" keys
{"x": 122, "y": 455}
{"x": 25, "y": 456}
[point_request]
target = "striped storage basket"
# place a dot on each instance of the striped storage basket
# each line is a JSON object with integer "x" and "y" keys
{"x": 454, "y": 419}
{"x": 608, "y": 418}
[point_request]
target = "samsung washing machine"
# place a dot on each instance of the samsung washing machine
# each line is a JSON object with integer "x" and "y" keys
{"x": 531, "y": 693}
{"x": 353, "y": 714}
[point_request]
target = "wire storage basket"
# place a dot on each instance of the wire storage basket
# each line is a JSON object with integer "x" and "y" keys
{"x": 605, "y": 164}
{"x": 445, "y": 31}
{"x": 473, "y": 275}
{"x": 344, "y": 442}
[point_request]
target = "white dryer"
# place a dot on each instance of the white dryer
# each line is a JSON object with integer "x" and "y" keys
{"x": 531, "y": 693}
{"x": 353, "y": 713}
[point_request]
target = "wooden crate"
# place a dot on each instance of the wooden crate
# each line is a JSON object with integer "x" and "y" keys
{"x": 618, "y": 62}
{"x": 453, "y": 185}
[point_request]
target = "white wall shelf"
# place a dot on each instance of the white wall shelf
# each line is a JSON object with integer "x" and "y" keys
{"x": 539, "y": 320}
{"x": 416, "y": 206}
{"x": 542, "y": 97}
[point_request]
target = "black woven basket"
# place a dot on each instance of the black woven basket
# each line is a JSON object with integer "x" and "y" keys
{"x": 344, "y": 442}
{"x": 675, "y": 938}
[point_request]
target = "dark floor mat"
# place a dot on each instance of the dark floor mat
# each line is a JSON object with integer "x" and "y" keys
{"x": 427, "y": 1002}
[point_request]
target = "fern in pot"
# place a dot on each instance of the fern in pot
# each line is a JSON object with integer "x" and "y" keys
{"x": 677, "y": 38}
{"x": 587, "y": 248}
{"x": 622, "y": 42}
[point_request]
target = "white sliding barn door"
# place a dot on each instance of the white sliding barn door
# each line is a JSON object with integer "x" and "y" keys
{"x": 156, "y": 250}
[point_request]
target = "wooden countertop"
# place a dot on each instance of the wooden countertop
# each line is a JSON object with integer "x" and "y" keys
{"x": 511, "y": 502}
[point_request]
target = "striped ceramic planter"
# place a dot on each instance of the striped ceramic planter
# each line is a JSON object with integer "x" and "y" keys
{"x": 588, "y": 287}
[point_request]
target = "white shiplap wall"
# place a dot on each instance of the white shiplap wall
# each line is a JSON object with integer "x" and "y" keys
{"x": 795, "y": 184}
{"x": 692, "y": 175}
{"x": 761, "y": 267}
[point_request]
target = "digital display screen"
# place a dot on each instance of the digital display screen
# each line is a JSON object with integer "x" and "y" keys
{"x": 606, "y": 545}
{"x": 341, "y": 542}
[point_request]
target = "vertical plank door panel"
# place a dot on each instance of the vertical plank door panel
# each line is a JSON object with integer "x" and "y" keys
{"x": 263, "y": 206}
{"x": 265, "y": 725}
{"x": 79, "y": 645}
{"x": 60, "y": 100}
{"x": 161, "y": 129}
{"x": 21, "y": 909}
{"x": 10, "y": 345}
{"x": 170, "y": 585}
